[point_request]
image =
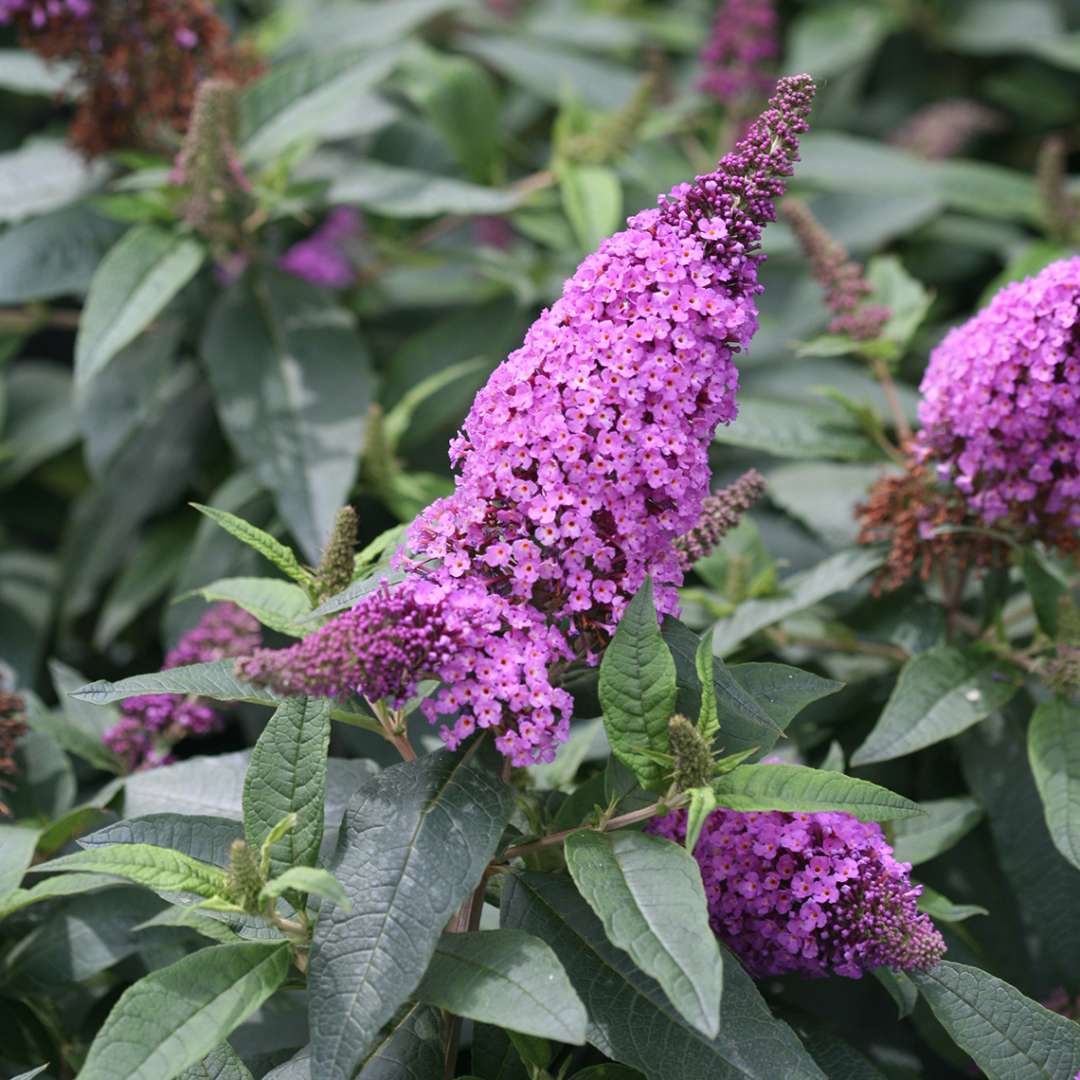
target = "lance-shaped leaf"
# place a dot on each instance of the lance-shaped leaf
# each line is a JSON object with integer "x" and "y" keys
{"x": 136, "y": 279}
{"x": 222, "y": 1063}
{"x": 17, "y": 845}
{"x": 630, "y": 1017}
{"x": 292, "y": 383}
{"x": 279, "y": 605}
{"x": 154, "y": 867}
{"x": 214, "y": 679}
{"x": 61, "y": 885}
{"x": 638, "y": 689}
{"x": 287, "y": 775}
{"x": 271, "y": 549}
{"x": 174, "y": 1017}
{"x": 940, "y": 693}
{"x": 1009, "y": 1036}
{"x": 505, "y": 977}
{"x": 798, "y": 789}
{"x": 1054, "y": 752}
{"x": 202, "y": 836}
{"x": 648, "y": 894}
{"x": 413, "y": 845}
{"x": 944, "y": 822}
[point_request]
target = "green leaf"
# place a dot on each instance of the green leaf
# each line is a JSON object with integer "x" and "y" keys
{"x": 141, "y": 273}
{"x": 397, "y": 191}
{"x": 72, "y": 825}
{"x": 1046, "y": 588}
{"x": 287, "y": 775}
{"x": 279, "y": 605}
{"x": 607, "y": 1072}
{"x": 460, "y": 99}
{"x": 638, "y": 689}
{"x": 308, "y": 879}
{"x": 54, "y": 254}
{"x": 222, "y": 1063}
{"x": 41, "y": 419}
{"x": 705, "y": 664}
{"x": 1044, "y": 883}
{"x": 900, "y": 988}
{"x": 32, "y": 1073}
{"x": 17, "y": 845}
{"x": 214, "y": 679}
{"x": 51, "y": 888}
{"x": 702, "y": 804}
{"x": 504, "y": 977}
{"x": 835, "y": 574}
{"x": 829, "y": 41}
{"x": 799, "y": 789}
{"x": 592, "y": 199}
{"x": 946, "y": 822}
{"x": 172, "y": 1018}
{"x": 42, "y": 175}
{"x": 755, "y": 702}
{"x": 1009, "y": 1036}
{"x": 943, "y": 909}
{"x": 902, "y": 294}
{"x": 81, "y": 727}
{"x": 1054, "y": 753}
{"x": 553, "y": 70}
{"x": 155, "y": 867}
{"x": 940, "y": 693}
{"x": 82, "y": 937}
{"x": 648, "y": 894}
{"x": 297, "y": 99}
{"x": 804, "y": 430}
{"x": 838, "y": 1059}
{"x": 281, "y": 555}
{"x": 400, "y": 418}
{"x": 202, "y": 836}
{"x": 624, "y": 1004}
{"x": 413, "y": 845}
{"x": 292, "y": 382}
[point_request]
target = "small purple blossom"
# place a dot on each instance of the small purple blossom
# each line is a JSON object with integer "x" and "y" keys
{"x": 40, "y": 12}
{"x": 151, "y": 723}
{"x": 322, "y": 258}
{"x": 738, "y": 57}
{"x": 581, "y": 461}
{"x": 813, "y": 894}
{"x": 1001, "y": 406}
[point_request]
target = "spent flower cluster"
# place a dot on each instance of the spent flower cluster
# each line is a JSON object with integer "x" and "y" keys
{"x": 138, "y": 64}
{"x": 152, "y": 724}
{"x": 581, "y": 461}
{"x": 12, "y": 728}
{"x": 815, "y": 894}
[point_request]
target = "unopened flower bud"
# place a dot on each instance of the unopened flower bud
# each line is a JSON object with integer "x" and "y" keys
{"x": 692, "y": 753}
{"x": 245, "y": 882}
{"x": 335, "y": 569}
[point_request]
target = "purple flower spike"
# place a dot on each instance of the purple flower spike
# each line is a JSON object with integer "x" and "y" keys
{"x": 1001, "y": 407}
{"x": 813, "y": 894}
{"x": 740, "y": 51}
{"x": 581, "y": 461}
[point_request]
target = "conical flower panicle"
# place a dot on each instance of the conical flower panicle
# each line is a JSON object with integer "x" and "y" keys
{"x": 586, "y": 453}
{"x": 1001, "y": 408}
{"x": 812, "y": 894}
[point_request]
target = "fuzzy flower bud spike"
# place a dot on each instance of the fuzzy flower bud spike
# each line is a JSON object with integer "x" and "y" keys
{"x": 581, "y": 461}
{"x": 720, "y": 513}
{"x": 813, "y": 894}
{"x": 843, "y": 280}
{"x": 335, "y": 569}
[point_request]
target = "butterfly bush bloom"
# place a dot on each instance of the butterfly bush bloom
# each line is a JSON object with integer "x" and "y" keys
{"x": 151, "y": 724}
{"x": 581, "y": 461}
{"x": 740, "y": 51}
{"x": 810, "y": 894}
{"x": 322, "y": 258}
{"x": 1001, "y": 407}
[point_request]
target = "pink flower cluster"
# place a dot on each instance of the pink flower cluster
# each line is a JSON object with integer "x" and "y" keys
{"x": 814, "y": 894}
{"x": 586, "y": 454}
{"x": 1001, "y": 406}
{"x": 322, "y": 258}
{"x": 151, "y": 724}
{"x": 739, "y": 53}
